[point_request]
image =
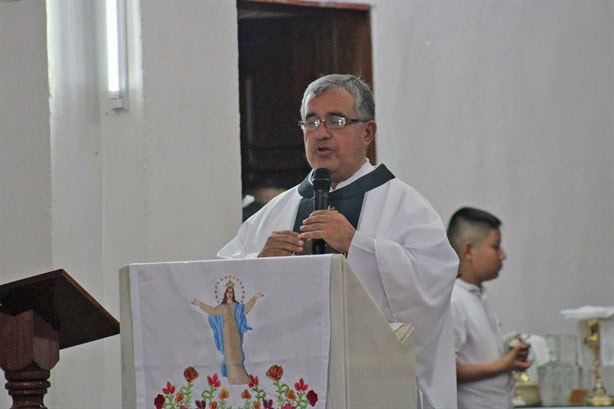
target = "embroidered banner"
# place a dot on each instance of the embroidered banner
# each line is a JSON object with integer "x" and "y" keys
{"x": 231, "y": 333}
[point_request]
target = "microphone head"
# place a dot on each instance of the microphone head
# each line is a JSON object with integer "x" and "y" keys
{"x": 321, "y": 179}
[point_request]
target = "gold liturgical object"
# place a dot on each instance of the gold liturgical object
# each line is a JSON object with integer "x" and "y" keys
{"x": 598, "y": 395}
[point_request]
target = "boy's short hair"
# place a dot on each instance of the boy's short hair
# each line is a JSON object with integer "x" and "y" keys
{"x": 470, "y": 224}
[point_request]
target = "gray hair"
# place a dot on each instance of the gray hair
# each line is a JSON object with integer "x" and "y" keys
{"x": 364, "y": 104}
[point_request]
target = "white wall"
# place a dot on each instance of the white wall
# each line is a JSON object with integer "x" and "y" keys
{"x": 93, "y": 189}
{"x": 25, "y": 162}
{"x": 501, "y": 105}
{"x": 25, "y": 158}
{"x": 508, "y": 106}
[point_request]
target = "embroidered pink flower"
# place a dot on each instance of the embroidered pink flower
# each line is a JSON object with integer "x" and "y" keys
{"x": 190, "y": 374}
{"x": 301, "y": 386}
{"x": 312, "y": 397}
{"x": 275, "y": 372}
{"x": 169, "y": 390}
{"x": 159, "y": 401}
{"x": 253, "y": 381}
{"x": 215, "y": 381}
{"x": 288, "y": 406}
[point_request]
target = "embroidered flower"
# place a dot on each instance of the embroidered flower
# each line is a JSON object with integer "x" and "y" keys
{"x": 190, "y": 374}
{"x": 253, "y": 381}
{"x": 179, "y": 397}
{"x": 169, "y": 390}
{"x": 215, "y": 381}
{"x": 291, "y": 395}
{"x": 312, "y": 397}
{"x": 301, "y": 386}
{"x": 159, "y": 401}
{"x": 275, "y": 372}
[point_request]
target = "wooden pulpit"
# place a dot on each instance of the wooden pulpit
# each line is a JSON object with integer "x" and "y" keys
{"x": 40, "y": 315}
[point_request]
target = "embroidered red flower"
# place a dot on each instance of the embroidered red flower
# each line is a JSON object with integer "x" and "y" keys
{"x": 275, "y": 372}
{"x": 301, "y": 386}
{"x": 288, "y": 406}
{"x": 215, "y": 381}
{"x": 169, "y": 390}
{"x": 159, "y": 401}
{"x": 190, "y": 374}
{"x": 201, "y": 404}
{"x": 224, "y": 394}
{"x": 312, "y": 397}
{"x": 290, "y": 395}
{"x": 253, "y": 381}
{"x": 246, "y": 395}
{"x": 268, "y": 404}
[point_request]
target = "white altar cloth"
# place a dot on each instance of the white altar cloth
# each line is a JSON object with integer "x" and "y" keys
{"x": 175, "y": 354}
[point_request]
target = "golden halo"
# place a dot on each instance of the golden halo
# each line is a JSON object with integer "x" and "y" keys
{"x": 219, "y": 296}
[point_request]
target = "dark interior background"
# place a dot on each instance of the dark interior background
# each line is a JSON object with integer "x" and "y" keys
{"x": 282, "y": 48}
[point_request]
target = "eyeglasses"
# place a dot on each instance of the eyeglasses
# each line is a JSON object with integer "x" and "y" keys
{"x": 331, "y": 122}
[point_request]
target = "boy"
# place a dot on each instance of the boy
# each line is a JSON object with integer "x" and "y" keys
{"x": 483, "y": 365}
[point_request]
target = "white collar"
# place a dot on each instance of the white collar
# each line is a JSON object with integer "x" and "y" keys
{"x": 472, "y": 288}
{"x": 363, "y": 170}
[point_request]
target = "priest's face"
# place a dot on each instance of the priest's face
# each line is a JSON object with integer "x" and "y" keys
{"x": 341, "y": 150}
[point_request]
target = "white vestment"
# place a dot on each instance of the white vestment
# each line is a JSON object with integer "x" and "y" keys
{"x": 401, "y": 255}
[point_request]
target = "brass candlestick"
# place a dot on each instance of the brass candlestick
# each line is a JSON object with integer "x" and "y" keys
{"x": 598, "y": 395}
{"x": 526, "y": 391}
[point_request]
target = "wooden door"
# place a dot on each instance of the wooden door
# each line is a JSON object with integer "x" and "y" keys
{"x": 283, "y": 46}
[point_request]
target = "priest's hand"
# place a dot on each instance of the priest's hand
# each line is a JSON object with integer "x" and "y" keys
{"x": 282, "y": 243}
{"x": 331, "y": 226}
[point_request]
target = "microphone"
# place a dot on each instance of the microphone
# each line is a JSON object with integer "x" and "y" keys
{"x": 321, "y": 186}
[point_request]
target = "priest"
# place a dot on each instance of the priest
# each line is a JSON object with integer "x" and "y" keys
{"x": 392, "y": 237}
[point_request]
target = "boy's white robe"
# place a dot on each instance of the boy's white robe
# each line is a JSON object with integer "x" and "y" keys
{"x": 402, "y": 257}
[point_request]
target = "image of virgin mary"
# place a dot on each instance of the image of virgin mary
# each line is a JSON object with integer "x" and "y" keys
{"x": 229, "y": 323}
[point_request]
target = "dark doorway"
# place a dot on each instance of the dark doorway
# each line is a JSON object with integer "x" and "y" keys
{"x": 283, "y": 46}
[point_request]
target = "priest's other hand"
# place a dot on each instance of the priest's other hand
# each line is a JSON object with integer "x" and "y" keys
{"x": 331, "y": 226}
{"x": 282, "y": 243}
